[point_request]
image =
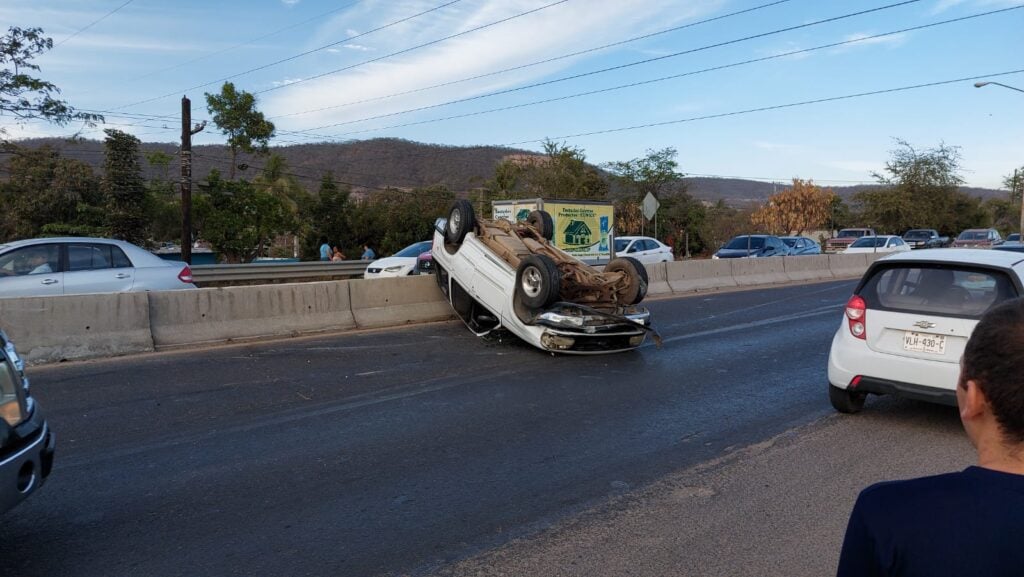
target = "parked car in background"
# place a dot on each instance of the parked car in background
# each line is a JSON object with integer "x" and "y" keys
{"x": 502, "y": 275}
{"x": 1014, "y": 246}
{"x": 78, "y": 265}
{"x": 846, "y": 237}
{"x": 801, "y": 245}
{"x": 752, "y": 246}
{"x": 401, "y": 263}
{"x": 925, "y": 238}
{"x": 644, "y": 249}
{"x": 978, "y": 238}
{"x": 26, "y": 443}
{"x": 905, "y": 327}
{"x": 878, "y": 244}
{"x": 1013, "y": 237}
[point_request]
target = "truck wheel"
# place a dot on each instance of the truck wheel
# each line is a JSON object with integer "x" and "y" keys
{"x": 460, "y": 222}
{"x": 636, "y": 275}
{"x": 541, "y": 220}
{"x": 538, "y": 281}
{"x": 845, "y": 400}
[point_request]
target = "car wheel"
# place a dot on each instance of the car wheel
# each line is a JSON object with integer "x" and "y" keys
{"x": 460, "y": 222}
{"x": 538, "y": 281}
{"x": 541, "y": 220}
{"x": 845, "y": 400}
{"x": 636, "y": 275}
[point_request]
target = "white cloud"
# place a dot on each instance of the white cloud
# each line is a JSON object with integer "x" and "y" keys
{"x": 944, "y": 5}
{"x": 286, "y": 81}
{"x": 358, "y": 47}
{"x": 558, "y": 30}
{"x": 290, "y": 2}
{"x": 863, "y": 39}
{"x": 778, "y": 146}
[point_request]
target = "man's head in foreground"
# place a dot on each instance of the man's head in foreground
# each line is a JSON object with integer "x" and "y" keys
{"x": 990, "y": 392}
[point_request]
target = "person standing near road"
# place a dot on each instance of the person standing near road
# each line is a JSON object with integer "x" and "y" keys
{"x": 965, "y": 523}
{"x": 325, "y": 249}
{"x": 368, "y": 253}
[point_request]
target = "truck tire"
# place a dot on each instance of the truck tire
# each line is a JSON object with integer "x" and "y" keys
{"x": 460, "y": 222}
{"x": 542, "y": 221}
{"x": 635, "y": 273}
{"x": 538, "y": 281}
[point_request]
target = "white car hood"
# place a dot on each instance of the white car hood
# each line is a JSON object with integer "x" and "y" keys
{"x": 409, "y": 261}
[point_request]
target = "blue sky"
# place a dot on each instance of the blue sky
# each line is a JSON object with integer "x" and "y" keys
{"x": 346, "y": 70}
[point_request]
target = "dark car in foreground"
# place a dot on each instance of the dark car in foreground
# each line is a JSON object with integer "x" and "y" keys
{"x": 26, "y": 443}
{"x": 753, "y": 246}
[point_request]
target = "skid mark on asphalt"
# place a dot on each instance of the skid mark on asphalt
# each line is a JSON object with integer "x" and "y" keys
{"x": 290, "y": 416}
{"x": 826, "y": 310}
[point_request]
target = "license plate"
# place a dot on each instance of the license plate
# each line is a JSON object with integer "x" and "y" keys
{"x": 924, "y": 343}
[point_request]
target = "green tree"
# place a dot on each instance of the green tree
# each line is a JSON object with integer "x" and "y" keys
{"x": 656, "y": 173}
{"x": 329, "y": 217}
{"x": 25, "y": 96}
{"x": 562, "y": 172}
{"x": 920, "y": 190}
{"x": 124, "y": 188}
{"x": 163, "y": 202}
{"x": 236, "y": 116}
{"x": 47, "y": 194}
{"x": 237, "y": 219}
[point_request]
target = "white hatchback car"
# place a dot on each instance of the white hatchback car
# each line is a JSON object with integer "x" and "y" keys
{"x": 644, "y": 249}
{"x": 906, "y": 325}
{"x": 79, "y": 265}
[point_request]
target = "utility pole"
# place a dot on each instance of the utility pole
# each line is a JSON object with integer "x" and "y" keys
{"x": 1018, "y": 188}
{"x": 186, "y": 177}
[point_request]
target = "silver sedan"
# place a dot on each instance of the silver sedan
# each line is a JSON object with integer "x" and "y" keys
{"x": 75, "y": 265}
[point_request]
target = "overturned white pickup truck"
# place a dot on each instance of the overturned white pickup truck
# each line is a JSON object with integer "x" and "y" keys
{"x": 497, "y": 275}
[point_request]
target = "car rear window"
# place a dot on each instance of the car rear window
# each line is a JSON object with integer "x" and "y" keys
{"x": 944, "y": 290}
{"x": 741, "y": 242}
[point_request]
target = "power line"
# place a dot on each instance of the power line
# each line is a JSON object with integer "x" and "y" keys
{"x": 418, "y": 46}
{"x": 248, "y": 42}
{"x": 290, "y": 58}
{"x": 537, "y": 63}
{"x": 93, "y": 23}
{"x": 681, "y": 75}
{"x": 621, "y": 66}
{"x": 763, "y": 108}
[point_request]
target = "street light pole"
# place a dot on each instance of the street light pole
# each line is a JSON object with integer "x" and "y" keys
{"x": 981, "y": 84}
{"x": 1015, "y": 177}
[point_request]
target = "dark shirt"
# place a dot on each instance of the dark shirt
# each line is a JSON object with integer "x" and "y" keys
{"x": 957, "y": 524}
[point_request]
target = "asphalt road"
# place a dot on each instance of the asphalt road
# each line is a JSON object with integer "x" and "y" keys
{"x": 403, "y": 451}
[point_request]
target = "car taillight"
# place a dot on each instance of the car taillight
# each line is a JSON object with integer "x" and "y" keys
{"x": 856, "y": 316}
{"x": 185, "y": 275}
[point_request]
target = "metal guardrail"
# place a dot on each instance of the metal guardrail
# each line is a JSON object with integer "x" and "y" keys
{"x": 272, "y": 271}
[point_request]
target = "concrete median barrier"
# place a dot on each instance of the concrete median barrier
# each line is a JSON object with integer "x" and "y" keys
{"x": 809, "y": 267}
{"x": 657, "y": 279}
{"x": 847, "y": 265}
{"x": 759, "y": 271}
{"x": 229, "y": 314}
{"x": 50, "y": 329}
{"x": 698, "y": 275}
{"x": 387, "y": 302}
